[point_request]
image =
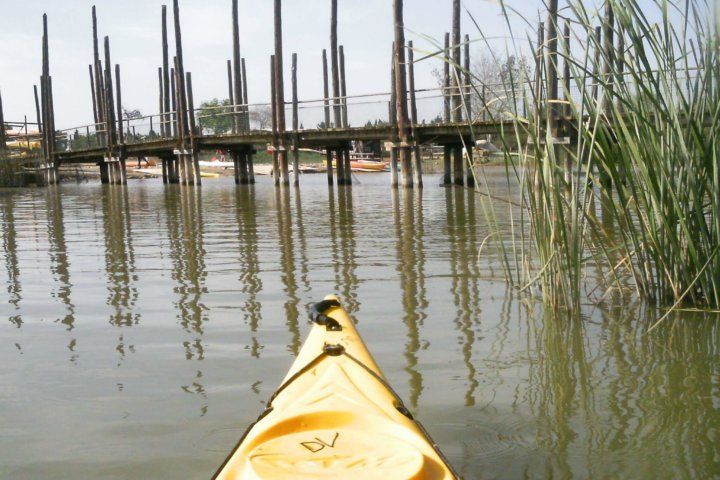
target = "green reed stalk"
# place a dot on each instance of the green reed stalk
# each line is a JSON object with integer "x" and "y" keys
{"x": 645, "y": 146}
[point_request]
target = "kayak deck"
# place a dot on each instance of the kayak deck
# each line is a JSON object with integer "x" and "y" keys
{"x": 335, "y": 416}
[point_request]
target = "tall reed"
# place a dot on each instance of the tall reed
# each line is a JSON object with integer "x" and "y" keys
{"x": 643, "y": 117}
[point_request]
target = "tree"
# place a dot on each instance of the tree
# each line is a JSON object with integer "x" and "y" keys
{"x": 215, "y": 115}
{"x": 262, "y": 117}
{"x": 498, "y": 85}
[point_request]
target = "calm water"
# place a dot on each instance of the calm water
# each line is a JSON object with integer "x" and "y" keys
{"x": 144, "y": 328}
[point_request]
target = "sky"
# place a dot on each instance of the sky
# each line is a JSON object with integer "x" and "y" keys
{"x": 365, "y": 28}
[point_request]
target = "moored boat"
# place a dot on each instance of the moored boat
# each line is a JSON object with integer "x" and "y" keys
{"x": 335, "y": 416}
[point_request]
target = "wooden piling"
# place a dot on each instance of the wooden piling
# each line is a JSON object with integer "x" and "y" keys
{"x": 334, "y": 64}
{"x": 347, "y": 180}
{"x": 401, "y": 95}
{"x": 326, "y": 92}
{"x": 539, "y": 69}
{"x": 606, "y": 99}
{"x": 468, "y": 80}
{"x": 99, "y": 78}
{"x": 3, "y": 139}
{"x": 92, "y": 94}
{"x": 237, "y": 85}
{"x": 168, "y": 96}
{"x": 456, "y": 99}
{"x": 392, "y": 118}
{"x": 193, "y": 130}
{"x": 343, "y": 88}
{"x": 447, "y": 158}
{"x": 122, "y": 173}
{"x": 280, "y": 94}
{"x": 172, "y": 113}
{"x": 246, "y": 108}
{"x": 417, "y": 167}
{"x": 295, "y": 121}
{"x": 275, "y": 143}
{"x": 469, "y": 146}
{"x": 160, "y": 102}
{"x": 37, "y": 110}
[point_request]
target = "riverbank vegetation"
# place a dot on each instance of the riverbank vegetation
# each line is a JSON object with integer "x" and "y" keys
{"x": 625, "y": 181}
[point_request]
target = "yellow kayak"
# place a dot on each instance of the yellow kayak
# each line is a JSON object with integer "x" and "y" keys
{"x": 335, "y": 416}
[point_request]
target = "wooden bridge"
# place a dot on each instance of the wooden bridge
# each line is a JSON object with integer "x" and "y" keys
{"x": 176, "y": 134}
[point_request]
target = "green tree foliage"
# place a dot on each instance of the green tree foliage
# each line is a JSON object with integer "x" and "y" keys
{"x": 215, "y": 116}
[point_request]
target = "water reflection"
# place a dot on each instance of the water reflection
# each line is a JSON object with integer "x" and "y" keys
{"x": 185, "y": 235}
{"x": 59, "y": 262}
{"x": 249, "y": 263}
{"x": 287, "y": 262}
{"x": 520, "y": 392}
{"x": 119, "y": 256}
{"x": 408, "y": 221}
{"x": 10, "y": 254}
{"x": 462, "y": 234}
{"x": 342, "y": 234}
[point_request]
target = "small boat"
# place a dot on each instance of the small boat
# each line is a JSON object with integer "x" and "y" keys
{"x": 367, "y": 165}
{"x": 335, "y": 416}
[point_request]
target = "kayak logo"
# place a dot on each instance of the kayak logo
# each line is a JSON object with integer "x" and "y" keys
{"x": 318, "y": 444}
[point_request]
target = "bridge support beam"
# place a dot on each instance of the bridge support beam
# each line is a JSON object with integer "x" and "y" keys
{"x": 112, "y": 171}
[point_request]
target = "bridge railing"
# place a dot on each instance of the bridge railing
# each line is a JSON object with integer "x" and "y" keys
{"x": 84, "y": 137}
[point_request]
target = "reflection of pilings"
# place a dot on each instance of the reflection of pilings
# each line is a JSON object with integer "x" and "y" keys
{"x": 302, "y": 242}
{"x": 348, "y": 281}
{"x": 409, "y": 248}
{"x": 457, "y": 218}
{"x": 119, "y": 257}
{"x": 188, "y": 256}
{"x": 10, "y": 249}
{"x": 287, "y": 261}
{"x": 250, "y": 282}
{"x": 58, "y": 256}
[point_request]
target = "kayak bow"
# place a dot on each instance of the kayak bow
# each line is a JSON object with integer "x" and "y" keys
{"x": 335, "y": 416}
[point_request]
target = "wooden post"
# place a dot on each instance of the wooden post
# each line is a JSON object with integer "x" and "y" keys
{"x": 168, "y": 96}
{"x": 334, "y": 65}
{"x": 3, "y": 145}
{"x": 122, "y": 173}
{"x": 413, "y": 117}
{"x": 246, "y": 160}
{"x": 37, "y": 110}
{"x": 237, "y": 85}
{"x": 280, "y": 94}
{"x": 296, "y": 136}
{"x": 539, "y": 68}
{"x": 606, "y": 99}
{"x": 343, "y": 89}
{"x": 172, "y": 116}
{"x": 455, "y": 77}
{"x": 468, "y": 80}
{"x": 447, "y": 164}
{"x": 456, "y": 115}
{"x": 469, "y": 146}
{"x": 273, "y": 96}
{"x": 246, "y": 108}
{"x": 92, "y": 94}
{"x": 99, "y": 79}
{"x": 193, "y": 129}
{"x": 347, "y": 180}
{"x": 326, "y": 91}
{"x": 180, "y": 73}
{"x": 114, "y": 175}
{"x": 564, "y": 127}
{"x": 160, "y": 103}
{"x": 393, "y": 123}
{"x": 401, "y": 95}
